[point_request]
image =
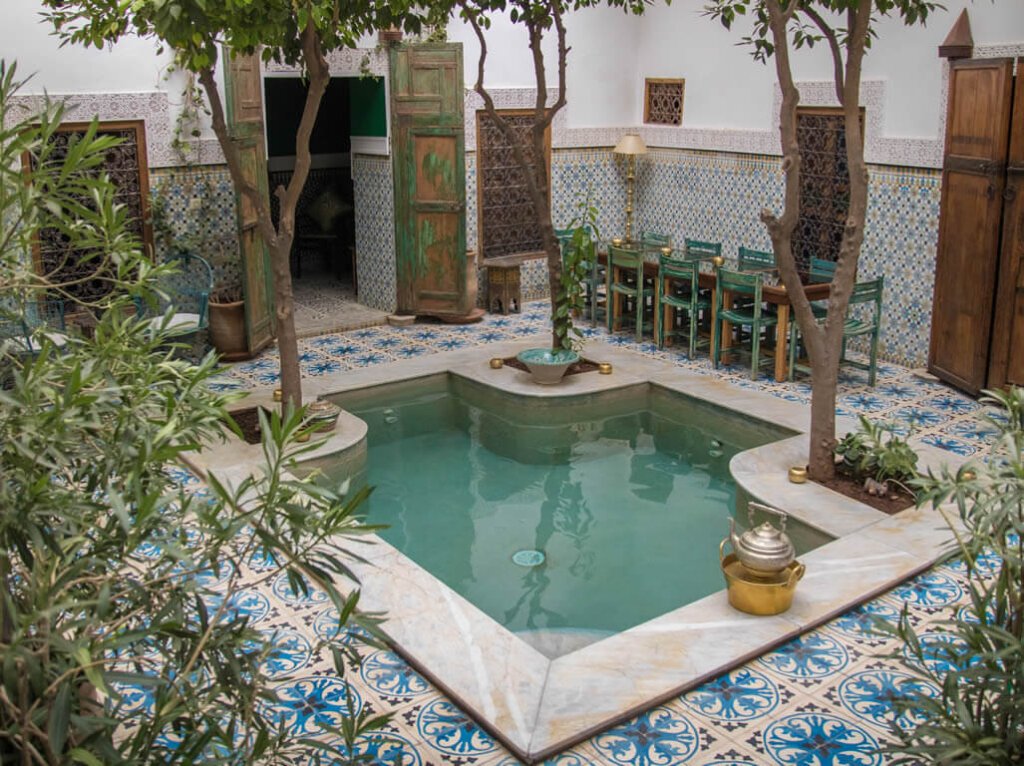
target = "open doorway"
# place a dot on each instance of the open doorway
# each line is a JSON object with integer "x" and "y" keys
{"x": 323, "y": 262}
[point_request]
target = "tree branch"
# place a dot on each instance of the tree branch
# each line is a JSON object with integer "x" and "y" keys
{"x": 833, "y": 43}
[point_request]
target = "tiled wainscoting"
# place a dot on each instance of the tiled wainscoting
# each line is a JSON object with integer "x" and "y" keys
{"x": 712, "y": 196}
{"x": 199, "y": 206}
{"x": 373, "y": 191}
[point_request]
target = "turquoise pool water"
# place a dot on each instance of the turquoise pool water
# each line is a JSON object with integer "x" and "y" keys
{"x": 613, "y": 504}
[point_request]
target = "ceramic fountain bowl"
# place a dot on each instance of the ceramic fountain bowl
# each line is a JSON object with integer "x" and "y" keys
{"x": 546, "y": 366}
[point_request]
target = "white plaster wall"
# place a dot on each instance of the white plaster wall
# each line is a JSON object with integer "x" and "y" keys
{"x": 726, "y": 88}
{"x": 131, "y": 66}
{"x": 610, "y": 55}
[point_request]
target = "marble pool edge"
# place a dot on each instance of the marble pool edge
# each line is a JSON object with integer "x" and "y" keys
{"x": 537, "y": 706}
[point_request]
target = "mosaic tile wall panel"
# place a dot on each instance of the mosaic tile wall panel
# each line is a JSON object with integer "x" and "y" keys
{"x": 198, "y": 207}
{"x": 373, "y": 192}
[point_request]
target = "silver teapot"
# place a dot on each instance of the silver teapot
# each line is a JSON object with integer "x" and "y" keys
{"x": 765, "y": 550}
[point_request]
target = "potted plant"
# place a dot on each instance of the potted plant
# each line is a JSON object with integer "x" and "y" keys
{"x": 227, "y": 308}
{"x": 548, "y": 366}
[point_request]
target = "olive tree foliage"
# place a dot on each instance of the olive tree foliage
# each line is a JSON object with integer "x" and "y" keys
{"x": 124, "y": 637}
{"x": 539, "y": 19}
{"x": 968, "y": 707}
{"x": 295, "y": 31}
{"x": 846, "y": 28}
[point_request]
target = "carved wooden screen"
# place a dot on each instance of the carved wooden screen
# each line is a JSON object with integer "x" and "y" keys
{"x": 126, "y": 166}
{"x": 507, "y": 220}
{"x": 824, "y": 185}
{"x": 663, "y": 101}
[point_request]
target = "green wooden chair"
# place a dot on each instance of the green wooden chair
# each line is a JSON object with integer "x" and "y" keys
{"x": 859, "y": 323}
{"x": 754, "y": 260}
{"x": 676, "y": 289}
{"x": 821, "y": 271}
{"x": 625, "y": 279}
{"x": 752, "y": 315}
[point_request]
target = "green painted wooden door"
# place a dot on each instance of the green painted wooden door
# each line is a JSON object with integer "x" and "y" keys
{"x": 244, "y": 103}
{"x": 428, "y": 151}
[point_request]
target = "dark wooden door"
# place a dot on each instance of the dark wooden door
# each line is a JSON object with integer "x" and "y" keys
{"x": 1007, "y": 365}
{"x": 244, "y": 89}
{"x": 973, "y": 180}
{"x": 430, "y": 180}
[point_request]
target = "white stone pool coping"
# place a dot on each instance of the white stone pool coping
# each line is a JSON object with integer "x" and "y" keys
{"x": 539, "y": 706}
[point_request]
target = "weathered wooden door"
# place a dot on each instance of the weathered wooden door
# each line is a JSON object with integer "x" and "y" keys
{"x": 973, "y": 180}
{"x": 1007, "y": 365}
{"x": 244, "y": 89}
{"x": 430, "y": 181}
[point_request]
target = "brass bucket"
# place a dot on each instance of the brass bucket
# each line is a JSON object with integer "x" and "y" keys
{"x": 758, "y": 595}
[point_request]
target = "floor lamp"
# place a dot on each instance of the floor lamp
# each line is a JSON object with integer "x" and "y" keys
{"x": 630, "y": 145}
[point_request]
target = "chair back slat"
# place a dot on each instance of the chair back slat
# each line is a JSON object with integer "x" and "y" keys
{"x": 740, "y": 282}
{"x": 676, "y": 268}
{"x": 868, "y": 292}
{"x": 755, "y": 259}
{"x": 821, "y": 270}
{"x": 651, "y": 239}
{"x": 624, "y": 258}
{"x": 698, "y": 247}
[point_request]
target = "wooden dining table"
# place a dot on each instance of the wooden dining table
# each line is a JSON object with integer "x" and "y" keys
{"x": 772, "y": 292}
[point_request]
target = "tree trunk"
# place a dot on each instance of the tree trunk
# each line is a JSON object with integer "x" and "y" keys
{"x": 824, "y": 343}
{"x": 279, "y": 240}
{"x": 536, "y": 177}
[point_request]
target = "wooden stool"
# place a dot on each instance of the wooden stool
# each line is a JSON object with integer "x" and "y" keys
{"x": 503, "y": 285}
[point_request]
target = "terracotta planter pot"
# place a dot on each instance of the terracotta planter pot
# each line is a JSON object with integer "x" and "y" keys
{"x": 227, "y": 330}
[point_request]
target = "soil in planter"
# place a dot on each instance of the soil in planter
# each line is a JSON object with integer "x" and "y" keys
{"x": 583, "y": 365}
{"x": 248, "y": 420}
{"x": 896, "y": 500}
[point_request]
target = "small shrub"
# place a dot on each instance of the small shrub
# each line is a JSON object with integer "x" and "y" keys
{"x": 978, "y": 716}
{"x": 877, "y": 455}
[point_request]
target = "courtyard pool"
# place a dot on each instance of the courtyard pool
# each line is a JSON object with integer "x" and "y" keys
{"x": 564, "y": 520}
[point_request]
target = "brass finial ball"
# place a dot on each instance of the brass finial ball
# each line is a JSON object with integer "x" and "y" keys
{"x": 278, "y": 394}
{"x": 968, "y": 475}
{"x": 497, "y": 363}
{"x": 666, "y": 251}
{"x": 719, "y": 261}
{"x": 604, "y": 368}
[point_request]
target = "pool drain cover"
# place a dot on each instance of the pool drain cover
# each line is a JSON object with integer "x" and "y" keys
{"x": 528, "y": 558}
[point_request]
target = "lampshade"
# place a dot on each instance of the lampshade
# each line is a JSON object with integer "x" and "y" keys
{"x": 630, "y": 143}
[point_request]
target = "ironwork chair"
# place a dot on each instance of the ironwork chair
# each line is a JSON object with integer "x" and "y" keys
{"x": 858, "y": 324}
{"x": 27, "y": 325}
{"x": 747, "y": 285}
{"x": 185, "y": 293}
{"x": 625, "y": 279}
{"x": 686, "y": 298}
